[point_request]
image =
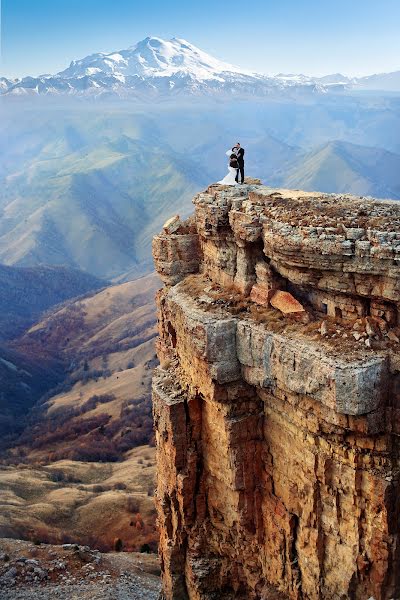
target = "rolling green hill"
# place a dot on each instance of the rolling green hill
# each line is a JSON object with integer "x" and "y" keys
{"x": 342, "y": 167}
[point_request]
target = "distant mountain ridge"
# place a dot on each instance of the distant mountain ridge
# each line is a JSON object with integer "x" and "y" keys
{"x": 157, "y": 68}
{"x": 343, "y": 167}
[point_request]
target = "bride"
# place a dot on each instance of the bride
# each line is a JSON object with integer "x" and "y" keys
{"x": 232, "y": 170}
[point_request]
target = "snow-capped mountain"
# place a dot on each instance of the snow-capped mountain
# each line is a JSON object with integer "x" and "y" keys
{"x": 157, "y": 68}
{"x": 154, "y": 57}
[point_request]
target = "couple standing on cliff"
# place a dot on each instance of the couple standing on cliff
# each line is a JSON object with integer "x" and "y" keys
{"x": 235, "y": 166}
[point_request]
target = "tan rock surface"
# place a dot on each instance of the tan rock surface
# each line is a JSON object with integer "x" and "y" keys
{"x": 277, "y": 441}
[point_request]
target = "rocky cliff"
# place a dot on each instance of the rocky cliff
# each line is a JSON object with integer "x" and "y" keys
{"x": 277, "y": 400}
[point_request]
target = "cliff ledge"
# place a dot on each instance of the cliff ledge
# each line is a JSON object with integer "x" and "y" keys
{"x": 277, "y": 399}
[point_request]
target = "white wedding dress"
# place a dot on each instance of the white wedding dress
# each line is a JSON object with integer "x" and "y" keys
{"x": 230, "y": 178}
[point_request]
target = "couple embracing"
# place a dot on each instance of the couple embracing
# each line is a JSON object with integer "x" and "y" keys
{"x": 235, "y": 166}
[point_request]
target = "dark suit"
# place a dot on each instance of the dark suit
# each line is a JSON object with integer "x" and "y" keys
{"x": 240, "y": 158}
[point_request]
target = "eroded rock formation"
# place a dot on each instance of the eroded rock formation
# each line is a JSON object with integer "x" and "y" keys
{"x": 277, "y": 400}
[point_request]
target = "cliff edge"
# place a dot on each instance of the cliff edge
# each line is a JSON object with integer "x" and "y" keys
{"x": 277, "y": 399}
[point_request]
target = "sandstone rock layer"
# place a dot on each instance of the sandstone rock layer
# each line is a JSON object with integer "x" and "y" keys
{"x": 277, "y": 430}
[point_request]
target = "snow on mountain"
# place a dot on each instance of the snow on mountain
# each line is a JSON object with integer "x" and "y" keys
{"x": 389, "y": 82}
{"x": 154, "y": 57}
{"x": 157, "y": 68}
{"x": 5, "y": 84}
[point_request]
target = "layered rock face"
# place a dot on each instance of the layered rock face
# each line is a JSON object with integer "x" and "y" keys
{"x": 277, "y": 400}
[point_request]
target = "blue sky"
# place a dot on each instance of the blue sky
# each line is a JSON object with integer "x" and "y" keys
{"x": 310, "y": 36}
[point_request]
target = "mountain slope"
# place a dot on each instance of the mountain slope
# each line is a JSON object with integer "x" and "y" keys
{"x": 342, "y": 167}
{"x": 99, "y": 323}
{"x": 23, "y": 380}
{"x": 89, "y": 190}
{"x": 105, "y": 343}
{"x": 82, "y": 339}
{"x": 24, "y": 375}
{"x": 27, "y": 292}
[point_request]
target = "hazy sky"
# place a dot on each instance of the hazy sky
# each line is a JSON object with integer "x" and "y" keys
{"x": 301, "y": 36}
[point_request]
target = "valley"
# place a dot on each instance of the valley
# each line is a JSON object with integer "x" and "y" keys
{"x": 82, "y": 468}
{"x": 25, "y": 293}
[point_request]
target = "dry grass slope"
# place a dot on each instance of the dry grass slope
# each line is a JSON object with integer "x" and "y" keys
{"x": 93, "y": 503}
{"x": 83, "y": 469}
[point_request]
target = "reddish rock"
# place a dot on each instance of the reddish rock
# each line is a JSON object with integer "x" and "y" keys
{"x": 261, "y": 294}
{"x": 287, "y": 304}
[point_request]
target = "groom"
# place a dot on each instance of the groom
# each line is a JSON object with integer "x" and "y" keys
{"x": 239, "y": 151}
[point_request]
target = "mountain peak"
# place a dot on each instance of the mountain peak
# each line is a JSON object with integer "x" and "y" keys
{"x": 158, "y": 67}
{"x": 153, "y": 57}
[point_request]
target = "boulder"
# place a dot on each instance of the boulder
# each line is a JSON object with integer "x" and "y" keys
{"x": 261, "y": 294}
{"x": 172, "y": 225}
{"x": 287, "y": 304}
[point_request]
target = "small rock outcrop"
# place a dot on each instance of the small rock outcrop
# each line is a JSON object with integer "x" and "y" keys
{"x": 277, "y": 399}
